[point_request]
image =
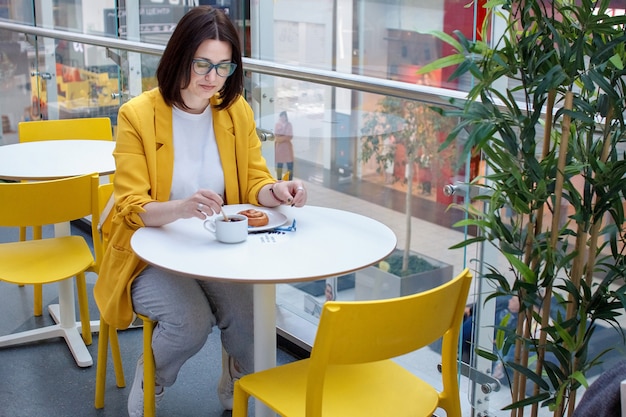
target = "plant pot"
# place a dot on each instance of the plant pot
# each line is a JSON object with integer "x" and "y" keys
{"x": 374, "y": 283}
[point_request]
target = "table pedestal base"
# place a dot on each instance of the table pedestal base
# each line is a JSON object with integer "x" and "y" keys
{"x": 71, "y": 335}
{"x": 264, "y": 336}
{"x": 76, "y": 343}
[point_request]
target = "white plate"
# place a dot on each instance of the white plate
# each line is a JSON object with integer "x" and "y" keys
{"x": 276, "y": 219}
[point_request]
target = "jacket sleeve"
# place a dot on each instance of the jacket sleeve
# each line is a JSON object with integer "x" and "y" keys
{"x": 245, "y": 168}
{"x": 132, "y": 181}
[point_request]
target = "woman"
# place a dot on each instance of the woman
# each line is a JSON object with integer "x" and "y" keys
{"x": 184, "y": 150}
{"x": 283, "y": 148}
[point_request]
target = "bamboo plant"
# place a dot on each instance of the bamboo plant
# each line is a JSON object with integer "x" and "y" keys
{"x": 563, "y": 64}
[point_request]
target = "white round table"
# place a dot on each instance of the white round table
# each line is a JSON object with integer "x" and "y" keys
{"x": 53, "y": 159}
{"x": 327, "y": 242}
{"x": 46, "y": 160}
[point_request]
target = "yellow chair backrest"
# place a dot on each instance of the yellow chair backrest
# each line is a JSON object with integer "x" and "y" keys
{"x": 97, "y": 128}
{"x": 42, "y": 203}
{"x": 367, "y": 331}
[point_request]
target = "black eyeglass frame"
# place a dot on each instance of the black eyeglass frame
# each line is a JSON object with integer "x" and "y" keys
{"x": 219, "y": 67}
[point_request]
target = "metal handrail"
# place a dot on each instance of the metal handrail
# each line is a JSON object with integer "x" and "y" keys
{"x": 422, "y": 93}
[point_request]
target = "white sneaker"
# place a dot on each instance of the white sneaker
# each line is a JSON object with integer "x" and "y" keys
{"x": 135, "y": 398}
{"x": 226, "y": 385}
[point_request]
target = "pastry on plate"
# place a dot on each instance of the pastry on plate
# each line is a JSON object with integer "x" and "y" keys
{"x": 256, "y": 218}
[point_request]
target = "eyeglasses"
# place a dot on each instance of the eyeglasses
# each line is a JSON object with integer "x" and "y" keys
{"x": 223, "y": 69}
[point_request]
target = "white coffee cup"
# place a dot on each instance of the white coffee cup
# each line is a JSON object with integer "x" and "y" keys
{"x": 233, "y": 230}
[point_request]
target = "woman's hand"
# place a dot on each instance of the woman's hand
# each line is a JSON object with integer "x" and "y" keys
{"x": 290, "y": 193}
{"x": 201, "y": 204}
{"x": 204, "y": 203}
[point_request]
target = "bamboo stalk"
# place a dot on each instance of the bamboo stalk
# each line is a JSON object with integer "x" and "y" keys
{"x": 558, "y": 195}
{"x": 519, "y": 381}
{"x": 593, "y": 241}
{"x": 576, "y": 274}
{"x": 547, "y": 133}
{"x": 547, "y": 136}
{"x": 517, "y": 358}
{"x": 523, "y": 327}
{"x": 554, "y": 235}
{"x": 525, "y": 355}
{"x": 595, "y": 228}
{"x": 518, "y": 389}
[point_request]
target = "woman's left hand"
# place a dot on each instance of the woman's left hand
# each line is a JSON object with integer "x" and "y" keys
{"x": 291, "y": 193}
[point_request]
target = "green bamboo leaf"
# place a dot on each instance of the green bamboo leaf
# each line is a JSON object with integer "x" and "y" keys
{"x": 528, "y": 373}
{"x": 468, "y": 242}
{"x": 528, "y": 401}
{"x": 472, "y": 222}
{"x": 486, "y": 354}
{"x": 524, "y": 270}
{"x": 616, "y": 60}
{"x": 493, "y": 4}
{"x": 445, "y": 37}
{"x": 568, "y": 340}
{"x": 440, "y": 63}
{"x": 580, "y": 377}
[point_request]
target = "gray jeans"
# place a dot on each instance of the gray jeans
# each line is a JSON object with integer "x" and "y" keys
{"x": 186, "y": 311}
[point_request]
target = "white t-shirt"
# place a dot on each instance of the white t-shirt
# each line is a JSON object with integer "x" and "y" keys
{"x": 197, "y": 163}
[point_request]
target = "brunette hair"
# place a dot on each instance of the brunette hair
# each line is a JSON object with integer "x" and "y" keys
{"x": 174, "y": 70}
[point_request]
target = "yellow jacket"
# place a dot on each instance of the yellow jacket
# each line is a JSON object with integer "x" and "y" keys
{"x": 144, "y": 157}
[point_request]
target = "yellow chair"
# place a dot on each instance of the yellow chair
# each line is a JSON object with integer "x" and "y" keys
{"x": 108, "y": 334}
{"x": 54, "y": 259}
{"x": 98, "y": 128}
{"x": 351, "y": 371}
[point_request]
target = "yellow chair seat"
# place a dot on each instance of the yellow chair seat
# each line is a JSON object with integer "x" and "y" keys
{"x": 44, "y": 261}
{"x": 383, "y": 388}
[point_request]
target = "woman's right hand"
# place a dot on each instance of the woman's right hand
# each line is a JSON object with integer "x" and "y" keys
{"x": 201, "y": 204}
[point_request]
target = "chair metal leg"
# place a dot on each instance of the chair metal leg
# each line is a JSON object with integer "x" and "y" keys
{"x": 101, "y": 367}
{"x": 37, "y": 300}
{"x": 83, "y": 307}
{"x": 117, "y": 358}
{"x": 240, "y": 404}
{"x": 107, "y": 335}
{"x": 38, "y": 288}
{"x": 149, "y": 373}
